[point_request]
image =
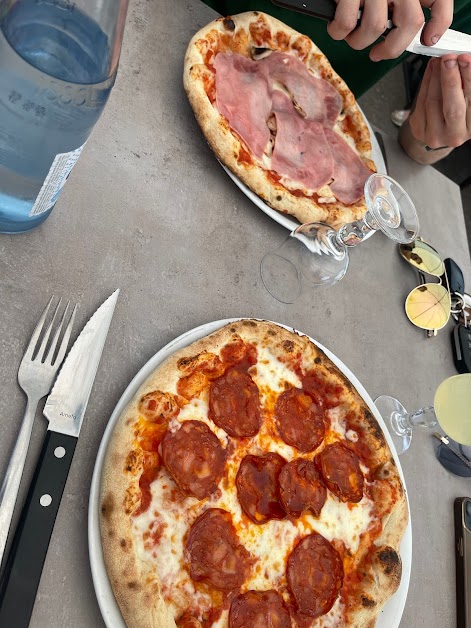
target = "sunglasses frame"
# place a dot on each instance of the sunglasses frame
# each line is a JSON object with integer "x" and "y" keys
{"x": 430, "y": 333}
{"x": 442, "y": 281}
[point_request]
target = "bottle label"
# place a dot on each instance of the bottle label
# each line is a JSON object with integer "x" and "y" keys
{"x": 54, "y": 182}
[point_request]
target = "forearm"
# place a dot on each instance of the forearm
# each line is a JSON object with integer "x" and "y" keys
{"x": 417, "y": 150}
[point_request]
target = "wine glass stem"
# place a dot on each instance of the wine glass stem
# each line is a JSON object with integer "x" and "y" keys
{"x": 403, "y": 422}
{"x": 355, "y": 232}
{"x": 400, "y": 423}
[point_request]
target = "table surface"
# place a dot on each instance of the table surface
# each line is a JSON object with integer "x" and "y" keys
{"x": 148, "y": 209}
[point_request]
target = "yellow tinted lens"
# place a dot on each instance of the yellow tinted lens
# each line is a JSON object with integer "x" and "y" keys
{"x": 424, "y": 257}
{"x": 429, "y": 306}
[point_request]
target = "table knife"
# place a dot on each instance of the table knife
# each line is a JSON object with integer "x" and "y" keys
{"x": 451, "y": 42}
{"x": 65, "y": 409}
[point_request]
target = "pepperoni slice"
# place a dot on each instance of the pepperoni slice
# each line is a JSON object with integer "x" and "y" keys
{"x": 301, "y": 488}
{"x": 259, "y": 608}
{"x": 340, "y": 469}
{"x": 257, "y": 487}
{"x": 194, "y": 457}
{"x": 315, "y": 575}
{"x": 234, "y": 404}
{"x": 299, "y": 420}
{"x": 213, "y": 550}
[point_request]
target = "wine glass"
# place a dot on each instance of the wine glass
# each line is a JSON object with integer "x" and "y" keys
{"x": 315, "y": 254}
{"x": 451, "y": 411}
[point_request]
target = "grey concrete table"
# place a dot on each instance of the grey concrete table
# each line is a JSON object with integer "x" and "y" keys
{"x": 148, "y": 209}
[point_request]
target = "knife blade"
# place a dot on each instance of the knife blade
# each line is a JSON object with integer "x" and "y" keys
{"x": 451, "y": 42}
{"x": 65, "y": 408}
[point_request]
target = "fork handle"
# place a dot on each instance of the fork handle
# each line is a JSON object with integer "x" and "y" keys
{"x": 24, "y": 565}
{"x": 12, "y": 478}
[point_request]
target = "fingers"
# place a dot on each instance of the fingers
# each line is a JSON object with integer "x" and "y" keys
{"x": 464, "y": 63}
{"x": 441, "y": 19}
{"x": 454, "y": 103}
{"x": 373, "y": 24}
{"x": 408, "y": 19}
{"x": 417, "y": 119}
{"x": 435, "y": 122}
{"x": 346, "y": 18}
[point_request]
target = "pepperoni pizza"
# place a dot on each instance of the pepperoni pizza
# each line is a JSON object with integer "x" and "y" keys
{"x": 277, "y": 115}
{"x": 247, "y": 485}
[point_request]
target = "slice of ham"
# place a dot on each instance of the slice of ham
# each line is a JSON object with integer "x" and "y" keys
{"x": 306, "y": 149}
{"x": 301, "y": 150}
{"x": 350, "y": 173}
{"x": 319, "y": 100}
{"x": 281, "y": 102}
{"x": 243, "y": 96}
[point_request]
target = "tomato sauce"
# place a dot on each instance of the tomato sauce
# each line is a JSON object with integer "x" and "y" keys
{"x": 239, "y": 354}
{"x": 244, "y": 157}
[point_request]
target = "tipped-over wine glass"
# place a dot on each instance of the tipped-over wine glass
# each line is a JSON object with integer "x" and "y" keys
{"x": 315, "y": 254}
{"x": 451, "y": 411}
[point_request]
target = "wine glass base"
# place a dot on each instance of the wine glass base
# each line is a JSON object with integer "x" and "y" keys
{"x": 280, "y": 276}
{"x": 391, "y": 209}
{"x": 391, "y": 410}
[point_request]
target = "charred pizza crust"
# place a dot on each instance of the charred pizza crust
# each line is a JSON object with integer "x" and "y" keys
{"x": 133, "y": 575}
{"x": 246, "y": 34}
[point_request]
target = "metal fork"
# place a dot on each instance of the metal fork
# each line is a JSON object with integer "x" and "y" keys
{"x": 36, "y": 375}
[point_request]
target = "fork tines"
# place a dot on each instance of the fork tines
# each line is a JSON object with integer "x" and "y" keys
{"x": 45, "y": 337}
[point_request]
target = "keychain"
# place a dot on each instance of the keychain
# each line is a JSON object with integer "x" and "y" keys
{"x": 461, "y": 338}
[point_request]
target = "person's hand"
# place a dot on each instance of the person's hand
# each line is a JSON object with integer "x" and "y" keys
{"x": 407, "y": 17}
{"x": 442, "y": 113}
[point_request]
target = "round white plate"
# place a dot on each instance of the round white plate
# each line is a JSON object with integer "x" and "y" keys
{"x": 285, "y": 219}
{"x": 393, "y": 609}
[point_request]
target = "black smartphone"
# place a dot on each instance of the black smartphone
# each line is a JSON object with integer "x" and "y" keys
{"x": 325, "y": 9}
{"x": 462, "y": 510}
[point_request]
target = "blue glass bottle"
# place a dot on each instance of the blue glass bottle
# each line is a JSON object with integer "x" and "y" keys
{"x": 58, "y": 63}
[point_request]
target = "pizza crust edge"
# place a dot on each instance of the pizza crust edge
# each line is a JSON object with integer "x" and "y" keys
{"x": 226, "y": 145}
{"x": 135, "y": 583}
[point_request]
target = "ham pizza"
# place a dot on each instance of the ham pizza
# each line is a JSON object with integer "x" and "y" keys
{"x": 277, "y": 115}
{"x": 247, "y": 484}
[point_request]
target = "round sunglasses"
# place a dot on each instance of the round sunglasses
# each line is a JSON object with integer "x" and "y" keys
{"x": 430, "y": 305}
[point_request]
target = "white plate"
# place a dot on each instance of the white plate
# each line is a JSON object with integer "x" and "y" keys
{"x": 392, "y": 612}
{"x": 285, "y": 219}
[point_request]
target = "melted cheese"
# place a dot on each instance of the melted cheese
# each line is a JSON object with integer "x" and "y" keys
{"x": 336, "y": 417}
{"x": 197, "y": 410}
{"x": 272, "y": 375}
{"x": 271, "y": 543}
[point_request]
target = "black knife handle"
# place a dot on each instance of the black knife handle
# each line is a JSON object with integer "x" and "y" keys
{"x": 25, "y": 561}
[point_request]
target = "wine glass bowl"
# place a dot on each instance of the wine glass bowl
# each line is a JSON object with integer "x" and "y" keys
{"x": 315, "y": 254}
{"x": 452, "y": 403}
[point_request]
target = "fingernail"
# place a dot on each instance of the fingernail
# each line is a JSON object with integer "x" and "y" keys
{"x": 435, "y": 38}
{"x": 450, "y": 63}
{"x": 463, "y": 64}
{"x": 375, "y": 58}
